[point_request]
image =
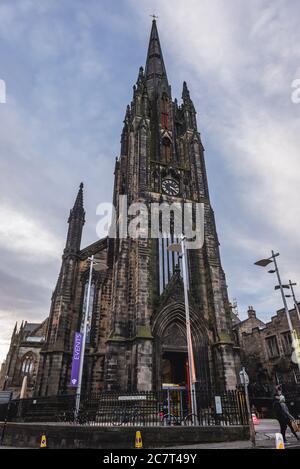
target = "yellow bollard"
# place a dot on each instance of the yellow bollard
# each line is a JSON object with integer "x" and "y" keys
{"x": 138, "y": 440}
{"x": 279, "y": 441}
{"x": 43, "y": 444}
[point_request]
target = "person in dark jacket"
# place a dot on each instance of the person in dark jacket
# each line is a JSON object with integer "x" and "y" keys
{"x": 283, "y": 416}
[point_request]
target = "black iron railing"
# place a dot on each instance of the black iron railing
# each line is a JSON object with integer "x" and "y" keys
{"x": 262, "y": 397}
{"x": 169, "y": 407}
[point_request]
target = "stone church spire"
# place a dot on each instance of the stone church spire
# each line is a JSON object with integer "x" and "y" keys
{"x": 155, "y": 70}
{"x": 76, "y": 221}
{"x": 137, "y": 304}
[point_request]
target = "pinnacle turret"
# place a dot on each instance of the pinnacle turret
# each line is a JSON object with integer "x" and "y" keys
{"x": 185, "y": 91}
{"x": 76, "y": 221}
{"x": 78, "y": 210}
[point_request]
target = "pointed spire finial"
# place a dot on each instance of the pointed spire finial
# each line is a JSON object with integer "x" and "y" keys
{"x": 78, "y": 205}
{"x": 155, "y": 67}
{"x": 76, "y": 221}
{"x": 185, "y": 91}
{"x": 127, "y": 114}
{"x": 15, "y": 329}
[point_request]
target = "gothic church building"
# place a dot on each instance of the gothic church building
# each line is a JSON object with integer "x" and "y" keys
{"x": 137, "y": 333}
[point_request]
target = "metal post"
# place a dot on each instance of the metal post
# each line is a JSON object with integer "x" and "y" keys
{"x": 295, "y": 345}
{"x": 86, "y": 314}
{"x": 188, "y": 330}
{"x": 251, "y": 424}
{"x": 6, "y": 419}
{"x": 245, "y": 382}
{"x": 294, "y": 298}
{"x": 282, "y": 292}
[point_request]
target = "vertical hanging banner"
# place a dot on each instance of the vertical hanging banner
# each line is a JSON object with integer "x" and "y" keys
{"x": 76, "y": 359}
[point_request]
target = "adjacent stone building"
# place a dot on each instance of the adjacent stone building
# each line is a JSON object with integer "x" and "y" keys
{"x": 23, "y": 358}
{"x": 266, "y": 348}
{"x": 137, "y": 330}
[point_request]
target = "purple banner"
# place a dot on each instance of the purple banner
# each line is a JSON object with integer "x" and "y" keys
{"x": 76, "y": 359}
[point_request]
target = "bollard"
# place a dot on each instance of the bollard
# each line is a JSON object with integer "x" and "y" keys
{"x": 279, "y": 441}
{"x": 43, "y": 444}
{"x": 138, "y": 440}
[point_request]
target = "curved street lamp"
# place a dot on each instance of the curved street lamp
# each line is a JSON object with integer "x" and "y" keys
{"x": 281, "y": 287}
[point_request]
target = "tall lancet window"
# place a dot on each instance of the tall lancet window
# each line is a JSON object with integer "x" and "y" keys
{"x": 90, "y": 313}
{"x": 166, "y": 150}
{"x": 27, "y": 364}
{"x": 168, "y": 260}
{"x": 164, "y": 112}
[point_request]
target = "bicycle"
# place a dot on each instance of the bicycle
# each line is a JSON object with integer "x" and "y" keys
{"x": 69, "y": 417}
{"x": 66, "y": 416}
{"x": 125, "y": 415}
{"x": 189, "y": 420}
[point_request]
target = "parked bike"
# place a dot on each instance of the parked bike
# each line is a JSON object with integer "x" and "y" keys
{"x": 127, "y": 416}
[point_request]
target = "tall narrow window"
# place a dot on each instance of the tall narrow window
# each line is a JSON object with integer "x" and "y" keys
{"x": 164, "y": 112}
{"x": 168, "y": 260}
{"x": 272, "y": 346}
{"x": 286, "y": 341}
{"x": 27, "y": 365}
{"x": 166, "y": 150}
{"x": 90, "y": 313}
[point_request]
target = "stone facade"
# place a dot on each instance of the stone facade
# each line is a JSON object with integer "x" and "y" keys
{"x": 137, "y": 336}
{"x": 266, "y": 349}
{"x": 23, "y": 358}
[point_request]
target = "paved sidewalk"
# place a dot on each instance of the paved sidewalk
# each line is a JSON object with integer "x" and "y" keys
{"x": 264, "y": 437}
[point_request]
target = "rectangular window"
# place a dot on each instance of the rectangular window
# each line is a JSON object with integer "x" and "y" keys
{"x": 272, "y": 346}
{"x": 286, "y": 341}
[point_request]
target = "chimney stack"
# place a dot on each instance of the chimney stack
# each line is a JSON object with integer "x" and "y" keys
{"x": 251, "y": 312}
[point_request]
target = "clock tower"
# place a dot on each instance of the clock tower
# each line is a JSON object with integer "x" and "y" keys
{"x": 162, "y": 161}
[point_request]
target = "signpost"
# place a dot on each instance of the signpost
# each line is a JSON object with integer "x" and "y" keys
{"x": 218, "y": 404}
{"x": 5, "y": 399}
{"x": 245, "y": 382}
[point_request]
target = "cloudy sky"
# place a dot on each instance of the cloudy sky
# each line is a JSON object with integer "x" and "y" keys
{"x": 69, "y": 68}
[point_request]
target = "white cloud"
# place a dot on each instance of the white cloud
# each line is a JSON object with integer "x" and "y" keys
{"x": 27, "y": 237}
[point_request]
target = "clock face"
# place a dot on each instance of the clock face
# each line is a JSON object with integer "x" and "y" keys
{"x": 170, "y": 186}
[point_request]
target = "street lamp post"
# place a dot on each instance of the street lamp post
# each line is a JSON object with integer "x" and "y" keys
{"x": 181, "y": 248}
{"x": 264, "y": 263}
{"x": 82, "y": 352}
{"x": 294, "y": 298}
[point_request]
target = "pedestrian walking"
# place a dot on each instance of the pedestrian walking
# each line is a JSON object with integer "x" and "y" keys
{"x": 283, "y": 416}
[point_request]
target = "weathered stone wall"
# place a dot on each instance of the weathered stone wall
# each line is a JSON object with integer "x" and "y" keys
{"x": 60, "y": 437}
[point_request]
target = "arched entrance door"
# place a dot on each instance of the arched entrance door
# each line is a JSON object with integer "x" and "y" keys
{"x": 170, "y": 347}
{"x": 174, "y": 356}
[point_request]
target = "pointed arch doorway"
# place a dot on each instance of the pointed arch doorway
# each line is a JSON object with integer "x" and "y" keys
{"x": 170, "y": 358}
{"x": 174, "y": 358}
